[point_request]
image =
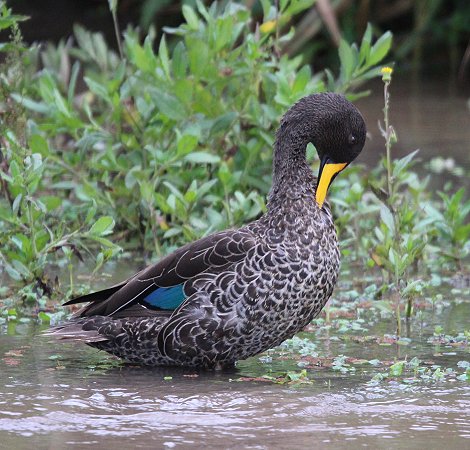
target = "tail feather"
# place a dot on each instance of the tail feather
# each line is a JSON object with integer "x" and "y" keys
{"x": 73, "y": 331}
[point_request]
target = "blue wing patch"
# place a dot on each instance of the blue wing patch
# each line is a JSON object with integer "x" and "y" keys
{"x": 165, "y": 297}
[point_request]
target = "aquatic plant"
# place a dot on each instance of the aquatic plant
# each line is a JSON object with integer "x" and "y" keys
{"x": 453, "y": 226}
{"x": 408, "y": 230}
{"x": 416, "y": 371}
{"x": 403, "y": 232}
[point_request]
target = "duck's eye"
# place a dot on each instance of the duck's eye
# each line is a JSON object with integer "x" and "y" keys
{"x": 352, "y": 139}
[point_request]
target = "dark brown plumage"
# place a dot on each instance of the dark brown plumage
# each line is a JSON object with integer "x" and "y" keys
{"x": 236, "y": 293}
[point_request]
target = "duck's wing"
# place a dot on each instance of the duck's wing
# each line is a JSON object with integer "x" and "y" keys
{"x": 160, "y": 289}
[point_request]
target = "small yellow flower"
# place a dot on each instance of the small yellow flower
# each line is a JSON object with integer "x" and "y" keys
{"x": 386, "y": 74}
{"x": 268, "y": 27}
{"x": 385, "y": 70}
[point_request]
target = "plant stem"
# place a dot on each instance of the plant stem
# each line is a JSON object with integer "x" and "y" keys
{"x": 388, "y": 143}
{"x": 409, "y": 307}
{"x": 117, "y": 30}
{"x": 32, "y": 228}
{"x": 390, "y": 138}
{"x": 389, "y": 134}
{"x": 71, "y": 276}
{"x": 397, "y": 313}
{"x": 153, "y": 228}
{"x": 277, "y": 50}
{"x": 227, "y": 207}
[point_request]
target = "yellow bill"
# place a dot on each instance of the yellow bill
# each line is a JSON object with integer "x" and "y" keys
{"x": 326, "y": 176}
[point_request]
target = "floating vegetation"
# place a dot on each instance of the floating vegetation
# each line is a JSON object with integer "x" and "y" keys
{"x": 290, "y": 377}
{"x": 416, "y": 371}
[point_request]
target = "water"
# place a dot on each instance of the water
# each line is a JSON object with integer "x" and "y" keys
{"x": 430, "y": 117}
{"x": 55, "y": 395}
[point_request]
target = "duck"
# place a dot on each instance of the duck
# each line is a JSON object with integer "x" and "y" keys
{"x": 236, "y": 293}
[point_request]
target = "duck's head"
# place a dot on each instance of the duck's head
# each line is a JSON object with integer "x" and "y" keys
{"x": 334, "y": 126}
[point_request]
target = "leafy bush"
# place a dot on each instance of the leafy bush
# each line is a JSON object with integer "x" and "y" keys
{"x": 167, "y": 145}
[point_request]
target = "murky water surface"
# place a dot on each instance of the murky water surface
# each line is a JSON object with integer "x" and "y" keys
{"x": 55, "y": 395}
{"x": 429, "y": 116}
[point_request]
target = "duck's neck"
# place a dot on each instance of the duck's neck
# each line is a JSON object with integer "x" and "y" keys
{"x": 290, "y": 169}
{"x": 292, "y": 177}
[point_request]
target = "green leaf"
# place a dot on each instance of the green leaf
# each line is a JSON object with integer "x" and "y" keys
{"x": 91, "y": 212}
{"x": 202, "y": 158}
{"x": 164, "y": 58}
{"x": 184, "y": 90}
{"x": 304, "y": 75}
{"x": 44, "y": 317}
{"x": 168, "y": 104}
{"x": 180, "y": 60}
{"x": 7, "y": 19}
{"x": 15, "y": 170}
{"x": 16, "y": 204}
{"x": 202, "y": 10}
{"x": 19, "y": 240}
{"x": 223, "y": 34}
{"x": 198, "y": 52}
{"x": 143, "y": 57}
{"x": 172, "y": 232}
{"x": 393, "y": 257}
{"x": 39, "y": 144}
{"x": 191, "y": 17}
{"x": 387, "y": 218}
{"x": 380, "y": 49}
{"x": 97, "y": 88}
{"x": 51, "y": 202}
{"x": 397, "y": 369}
{"x": 186, "y": 144}
{"x": 176, "y": 192}
{"x": 106, "y": 243}
{"x": 365, "y": 44}
{"x": 32, "y": 105}
{"x": 223, "y": 122}
{"x": 346, "y": 57}
{"x": 403, "y": 163}
{"x": 21, "y": 268}
{"x": 190, "y": 196}
{"x": 61, "y": 104}
{"x": 13, "y": 273}
{"x": 462, "y": 233}
{"x": 297, "y": 6}
{"x": 266, "y": 4}
{"x": 73, "y": 81}
{"x": 146, "y": 191}
{"x": 103, "y": 226}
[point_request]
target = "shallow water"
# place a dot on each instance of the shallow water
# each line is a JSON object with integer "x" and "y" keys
{"x": 430, "y": 116}
{"x": 55, "y": 395}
